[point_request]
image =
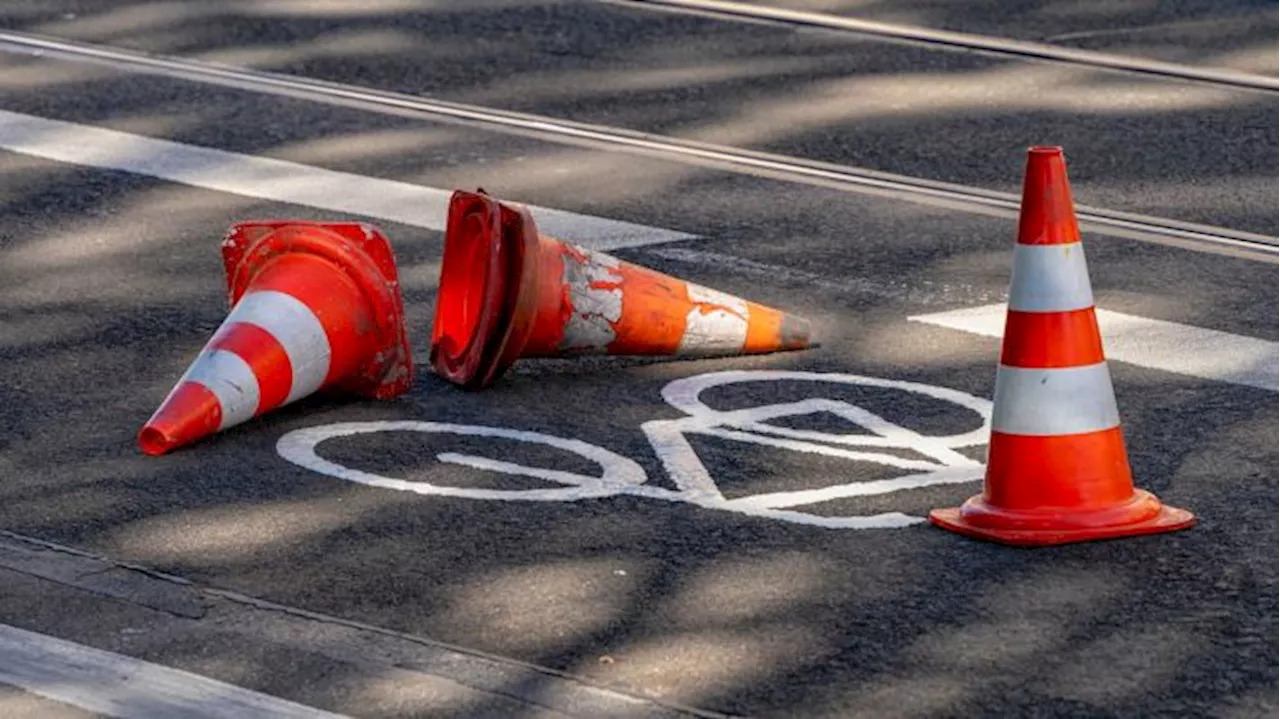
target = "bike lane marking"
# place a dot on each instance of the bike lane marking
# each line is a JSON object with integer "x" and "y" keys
{"x": 620, "y": 473}
{"x": 942, "y": 464}
{"x": 1154, "y": 344}
{"x": 281, "y": 181}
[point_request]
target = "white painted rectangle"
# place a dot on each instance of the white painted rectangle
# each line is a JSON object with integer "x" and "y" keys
{"x": 291, "y": 182}
{"x": 1155, "y": 344}
{"x": 121, "y": 686}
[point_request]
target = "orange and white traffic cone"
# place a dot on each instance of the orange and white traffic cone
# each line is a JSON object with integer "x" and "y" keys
{"x": 1057, "y": 470}
{"x": 314, "y": 306}
{"x": 506, "y": 292}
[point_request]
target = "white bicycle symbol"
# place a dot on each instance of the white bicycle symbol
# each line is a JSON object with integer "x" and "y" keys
{"x": 941, "y": 463}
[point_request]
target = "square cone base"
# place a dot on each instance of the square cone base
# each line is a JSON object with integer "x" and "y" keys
{"x": 1169, "y": 519}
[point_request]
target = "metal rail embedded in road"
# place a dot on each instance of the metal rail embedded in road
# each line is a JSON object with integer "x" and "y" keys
{"x": 1193, "y": 236}
{"x": 967, "y": 41}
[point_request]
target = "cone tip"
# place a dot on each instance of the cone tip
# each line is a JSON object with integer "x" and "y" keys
{"x": 154, "y": 442}
{"x": 190, "y": 412}
{"x": 795, "y": 332}
{"x": 1046, "y": 215}
{"x": 1042, "y": 150}
{"x": 1046, "y": 159}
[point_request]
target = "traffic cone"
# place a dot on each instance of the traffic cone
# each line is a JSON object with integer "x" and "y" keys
{"x": 506, "y": 292}
{"x": 314, "y": 306}
{"x": 1057, "y": 470}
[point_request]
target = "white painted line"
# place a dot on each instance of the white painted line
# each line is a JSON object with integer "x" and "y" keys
{"x": 128, "y": 688}
{"x": 1197, "y": 237}
{"x": 282, "y": 181}
{"x": 1156, "y": 344}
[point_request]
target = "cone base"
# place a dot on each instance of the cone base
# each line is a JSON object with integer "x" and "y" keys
{"x": 1062, "y": 527}
{"x": 363, "y": 254}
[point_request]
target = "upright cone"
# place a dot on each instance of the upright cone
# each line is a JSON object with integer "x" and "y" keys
{"x": 1057, "y": 470}
{"x": 314, "y": 306}
{"x": 506, "y": 292}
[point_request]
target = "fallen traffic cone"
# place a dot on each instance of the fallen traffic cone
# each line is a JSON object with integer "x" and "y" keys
{"x": 1057, "y": 470}
{"x": 506, "y": 292}
{"x": 314, "y": 306}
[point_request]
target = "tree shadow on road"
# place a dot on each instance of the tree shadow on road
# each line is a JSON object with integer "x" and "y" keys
{"x": 111, "y": 283}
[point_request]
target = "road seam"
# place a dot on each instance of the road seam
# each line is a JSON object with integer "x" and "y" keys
{"x": 1189, "y": 235}
{"x": 528, "y": 683}
{"x": 1006, "y": 47}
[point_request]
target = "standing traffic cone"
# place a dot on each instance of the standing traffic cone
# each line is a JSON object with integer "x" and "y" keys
{"x": 1057, "y": 470}
{"x": 506, "y": 292}
{"x": 314, "y": 306}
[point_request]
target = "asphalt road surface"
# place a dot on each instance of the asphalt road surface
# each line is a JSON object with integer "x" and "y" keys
{"x": 861, "y": 181}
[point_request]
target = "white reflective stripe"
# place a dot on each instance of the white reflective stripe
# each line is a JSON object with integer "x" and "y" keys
{"x": 713, "y": 331}
{"x": 596, "y": 298}
{"x": 230, "y": 379}
{"x": 1048, "y": 402}
{"x": 296, "y": 328}
{"x": 1050, "y": 278}
{"x": 706, "y": 295}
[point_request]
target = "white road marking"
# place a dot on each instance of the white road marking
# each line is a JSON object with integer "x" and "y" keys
{"x": 944, "y": 465}
{"x": 1155, "y": 344}
{"x": 119, "y": 686}
{"x": 1200, "y": 238}
{"x": 620, "y": 473}
{"x": 282, "y": 181}
{"x": 940, "y": 463}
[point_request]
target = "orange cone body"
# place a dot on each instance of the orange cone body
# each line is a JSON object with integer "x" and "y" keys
{"x": 506, "y": 292}
{"x": 314, "y": 306}
{"x": 1057, "y": 470}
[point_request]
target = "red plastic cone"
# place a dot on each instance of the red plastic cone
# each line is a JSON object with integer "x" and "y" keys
{"x": 1057, "y": 470}
{"x": 314, "y": 306}
{"x": 506, "y": 292}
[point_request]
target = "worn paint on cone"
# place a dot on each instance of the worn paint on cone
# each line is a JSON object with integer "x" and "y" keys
{"x": 1057, "y": 470}
{"x": 314, "y": 306}
{"x": 506, "y": 292}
